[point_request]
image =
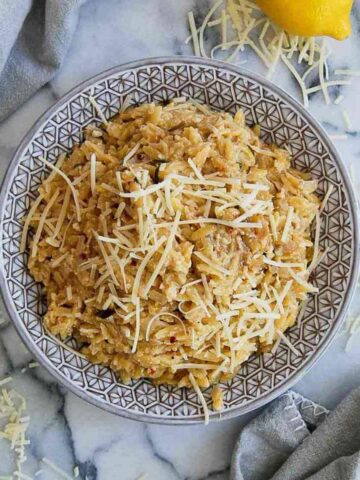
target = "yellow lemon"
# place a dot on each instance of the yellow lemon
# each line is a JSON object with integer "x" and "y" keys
{"x": 310, "y": 18}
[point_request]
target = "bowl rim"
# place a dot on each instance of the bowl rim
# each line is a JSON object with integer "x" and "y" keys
{"x": 353, "y": 205}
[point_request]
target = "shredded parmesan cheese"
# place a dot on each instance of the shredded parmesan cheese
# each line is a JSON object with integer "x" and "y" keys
{"x": 56, "y": 469}
{"x": 223, "y": 28}
{"x": 31, "y": 213}
{"x": 69, "y": 295}
{"x": 42, "y": 222}
{"x": 217, "y": 221}
{"x": 288, "y": 343}
{"x": 347, "y": 71}
{"x": 164, "y": 255}
{"x": 137, "y": 325}
{"x": 298, "y": 78}
{"x": 302, "y": 282}
{"x": 143, "y": 265}
{"x": 68, "y": 181}
{"x": 282, "y": 264}
{"x": 106, "y": 258}
{"x": 62, "y": 215}
{"x": 201, "y": 397}
{"x": 326, "y": 197}
{"x": 98, "y": 110}
{"x": 287, "y": 226}
{"x": 353, "y": 328}
{"x": 93, "y": 173}
{"x": 213, "y": 264}
{"x": 204, "y": 24}
{"x": 316, "y": 242}
{"x": 126, "y": 104}
{"x": 33, "y": 365}
{"x": 162, "y": 314}
{"x": 338, "y": 99}
{"x": 338, "y": 137}
{"x": 14, "y": 427}
{"x": 196, "y": 170}
{"x": 347, "y": 121}
{"x": 5, "y": 380}
{"x": 273, "y": 227}
{"x": 132, "y": 152}
{"x": 194, "y": 33}
{"x": 249, "y": 28}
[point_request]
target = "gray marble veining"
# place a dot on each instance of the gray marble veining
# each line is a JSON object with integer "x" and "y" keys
{"x": 63, "y": 427}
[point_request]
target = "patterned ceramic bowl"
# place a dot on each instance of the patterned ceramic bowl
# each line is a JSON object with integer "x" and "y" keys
{"x": 284, "y": 122}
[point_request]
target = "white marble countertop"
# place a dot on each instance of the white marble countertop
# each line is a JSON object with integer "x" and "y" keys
{"x": 65, "y": 428}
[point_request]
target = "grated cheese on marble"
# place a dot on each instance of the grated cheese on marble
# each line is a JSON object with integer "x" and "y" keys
{"x": 242, "y": 25}
{"x": 56, "y": 468}
{"x": 5, "y": 380}
{"x": 338, "y": 99}
{"x": 347, "y": 121}
{"x": 352, "y": 327}
{"x": 14, "y": 430}
{"x": 347, "y": 71}
{"x": 194, "y": 33}
{"x": 33, "y": 365}
{"x": 338, "y": 137}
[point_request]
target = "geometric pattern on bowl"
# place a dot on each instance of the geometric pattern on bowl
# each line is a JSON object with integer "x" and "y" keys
{"x": 283, "y": 122}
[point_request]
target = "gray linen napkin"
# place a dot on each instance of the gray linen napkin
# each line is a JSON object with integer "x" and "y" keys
{"x": 35, "y": 36}
{"x": 295, "y": 439}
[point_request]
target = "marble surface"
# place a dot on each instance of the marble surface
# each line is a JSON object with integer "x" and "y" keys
{"x": 64, "y": 428}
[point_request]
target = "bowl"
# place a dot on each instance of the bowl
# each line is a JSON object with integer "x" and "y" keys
{"x": 283, "y": 122}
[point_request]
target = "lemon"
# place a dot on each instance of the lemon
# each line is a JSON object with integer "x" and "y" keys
{"x": 310, "y": 18}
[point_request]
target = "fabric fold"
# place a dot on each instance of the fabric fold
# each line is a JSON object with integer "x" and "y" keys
{"x": 296, "y": 439}
{"x": 34, "y": 39}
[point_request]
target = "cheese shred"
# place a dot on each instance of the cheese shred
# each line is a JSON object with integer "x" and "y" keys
{"x": 68, "y": 181}
{"x": 201, "y": 397}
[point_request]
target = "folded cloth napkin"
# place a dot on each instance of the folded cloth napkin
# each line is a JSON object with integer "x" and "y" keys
{"x": 295, "y": 439}
{"x": 35, "y": 36}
